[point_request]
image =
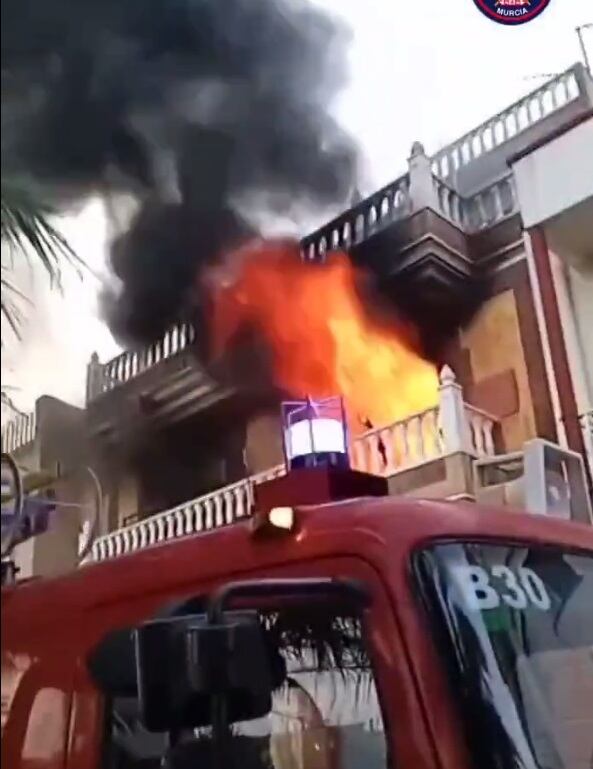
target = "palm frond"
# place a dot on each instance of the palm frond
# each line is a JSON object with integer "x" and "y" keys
{"x": 25, "y": 228}
{"x": 9, "y": 308}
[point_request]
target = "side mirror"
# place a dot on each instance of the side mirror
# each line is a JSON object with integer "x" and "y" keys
{"x": 191, "y": 669}
{"x": 183, "y": 663}
{"x": 112, "y": 664}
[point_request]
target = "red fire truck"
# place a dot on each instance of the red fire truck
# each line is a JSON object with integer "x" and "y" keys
{"x": 360, "y": 633}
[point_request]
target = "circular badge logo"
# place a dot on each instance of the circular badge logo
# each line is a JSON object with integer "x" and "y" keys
{"x": 511, "y": 12}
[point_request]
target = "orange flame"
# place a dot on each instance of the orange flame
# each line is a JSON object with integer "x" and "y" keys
{"x": 322, "y": 339}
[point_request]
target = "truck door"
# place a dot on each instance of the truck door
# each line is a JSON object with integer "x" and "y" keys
{"x": 335, "y": 706}
{"x": 36, "y": 698}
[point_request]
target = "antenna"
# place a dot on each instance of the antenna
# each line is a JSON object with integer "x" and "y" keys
{"x": 584, "y": 56}
{"x": 579, "y": 31}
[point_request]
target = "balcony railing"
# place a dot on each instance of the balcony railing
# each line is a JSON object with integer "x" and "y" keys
{"x": 450, "y": 427}
{"x": 379, "y": 210}
{"x": 103, "y": 377}
{"x": 492, "y": 204}
{"x": 513, "y": 120}
{"x": 19, "y": 431}
{"x": 211, "y": 511}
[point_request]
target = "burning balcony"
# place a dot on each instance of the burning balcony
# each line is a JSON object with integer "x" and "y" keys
{"x": 427, "y": 235}
{"x": 426, "y": 454}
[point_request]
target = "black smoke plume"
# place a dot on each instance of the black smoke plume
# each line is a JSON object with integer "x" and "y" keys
{"x": 200, "y": 109}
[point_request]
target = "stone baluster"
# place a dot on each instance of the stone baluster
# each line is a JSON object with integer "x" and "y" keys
{"x": 422, "y": 190}
{"x": 407, "y": 453}
{"x": 95, "y": 378}
{"x": 453, "y": 420}
{"x": 498, "y": 210}
{"x": 188, "y": 514}
{"x": 208, "y": 514}
{"x": 387, "y": 436}
{"x": 151, "y": 525}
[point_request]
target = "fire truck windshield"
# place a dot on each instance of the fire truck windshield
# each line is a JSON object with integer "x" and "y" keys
{"x": 516, "y": 626}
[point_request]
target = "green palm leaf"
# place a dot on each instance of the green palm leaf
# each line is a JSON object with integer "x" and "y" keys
{"x": 27, "y": 231}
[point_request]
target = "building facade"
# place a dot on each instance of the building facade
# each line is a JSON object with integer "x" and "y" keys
{"x": 496, "y": 225}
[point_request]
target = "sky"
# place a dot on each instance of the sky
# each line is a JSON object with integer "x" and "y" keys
{"x": 420, "y": 70}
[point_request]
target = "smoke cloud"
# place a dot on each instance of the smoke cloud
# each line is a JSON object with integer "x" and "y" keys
{"x": 195, "y": 107}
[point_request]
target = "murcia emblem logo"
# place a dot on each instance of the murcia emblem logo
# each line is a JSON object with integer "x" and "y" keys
{"x": 511, "y": 12}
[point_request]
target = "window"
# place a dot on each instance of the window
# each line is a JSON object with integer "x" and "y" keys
{"x": 516, "y": 626}
{"x": 325, "y": 713}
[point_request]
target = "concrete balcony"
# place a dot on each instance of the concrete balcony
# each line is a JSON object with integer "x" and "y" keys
{"x": 427, "y": 454}
{"x": 161, "y": 384}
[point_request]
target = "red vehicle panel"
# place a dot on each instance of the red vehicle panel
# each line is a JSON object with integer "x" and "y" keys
{"x": 53, "y": 713}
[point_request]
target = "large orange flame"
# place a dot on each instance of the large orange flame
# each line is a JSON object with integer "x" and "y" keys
{"x": 322, "y": 339}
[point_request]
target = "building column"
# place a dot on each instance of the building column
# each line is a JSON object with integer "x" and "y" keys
{"x": 556, "y": 342}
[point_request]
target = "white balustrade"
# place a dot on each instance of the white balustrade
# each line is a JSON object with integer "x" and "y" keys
{"x": 520, "y": 116}
{"x": 211, "y": 511}
{"x": 446, "y": 428}
{"x": 131, "y": 363}
{"x": 450, "y": 202}
{"x": 492, "y": 204}
{"x": 481, "y": 425}
{"x": 19, "y": 431}
{"x": 483, "y": 209}
{"x": 370, "y": 215}
{"x": 401, "y": 445}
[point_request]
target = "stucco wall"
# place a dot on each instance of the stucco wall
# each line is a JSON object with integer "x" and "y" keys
{"x": 127, "y": 499}
{"x": 557, "y": 176}
{"x": 494, "y": 344}
{"x": 263, "y": 444}
{"x": 580, "y": 288}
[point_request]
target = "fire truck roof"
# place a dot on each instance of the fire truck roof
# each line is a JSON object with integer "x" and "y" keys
{"x": 382, "y": 531}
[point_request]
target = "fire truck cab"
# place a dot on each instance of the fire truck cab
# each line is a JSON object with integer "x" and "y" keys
{"x": 361, "y": 634}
